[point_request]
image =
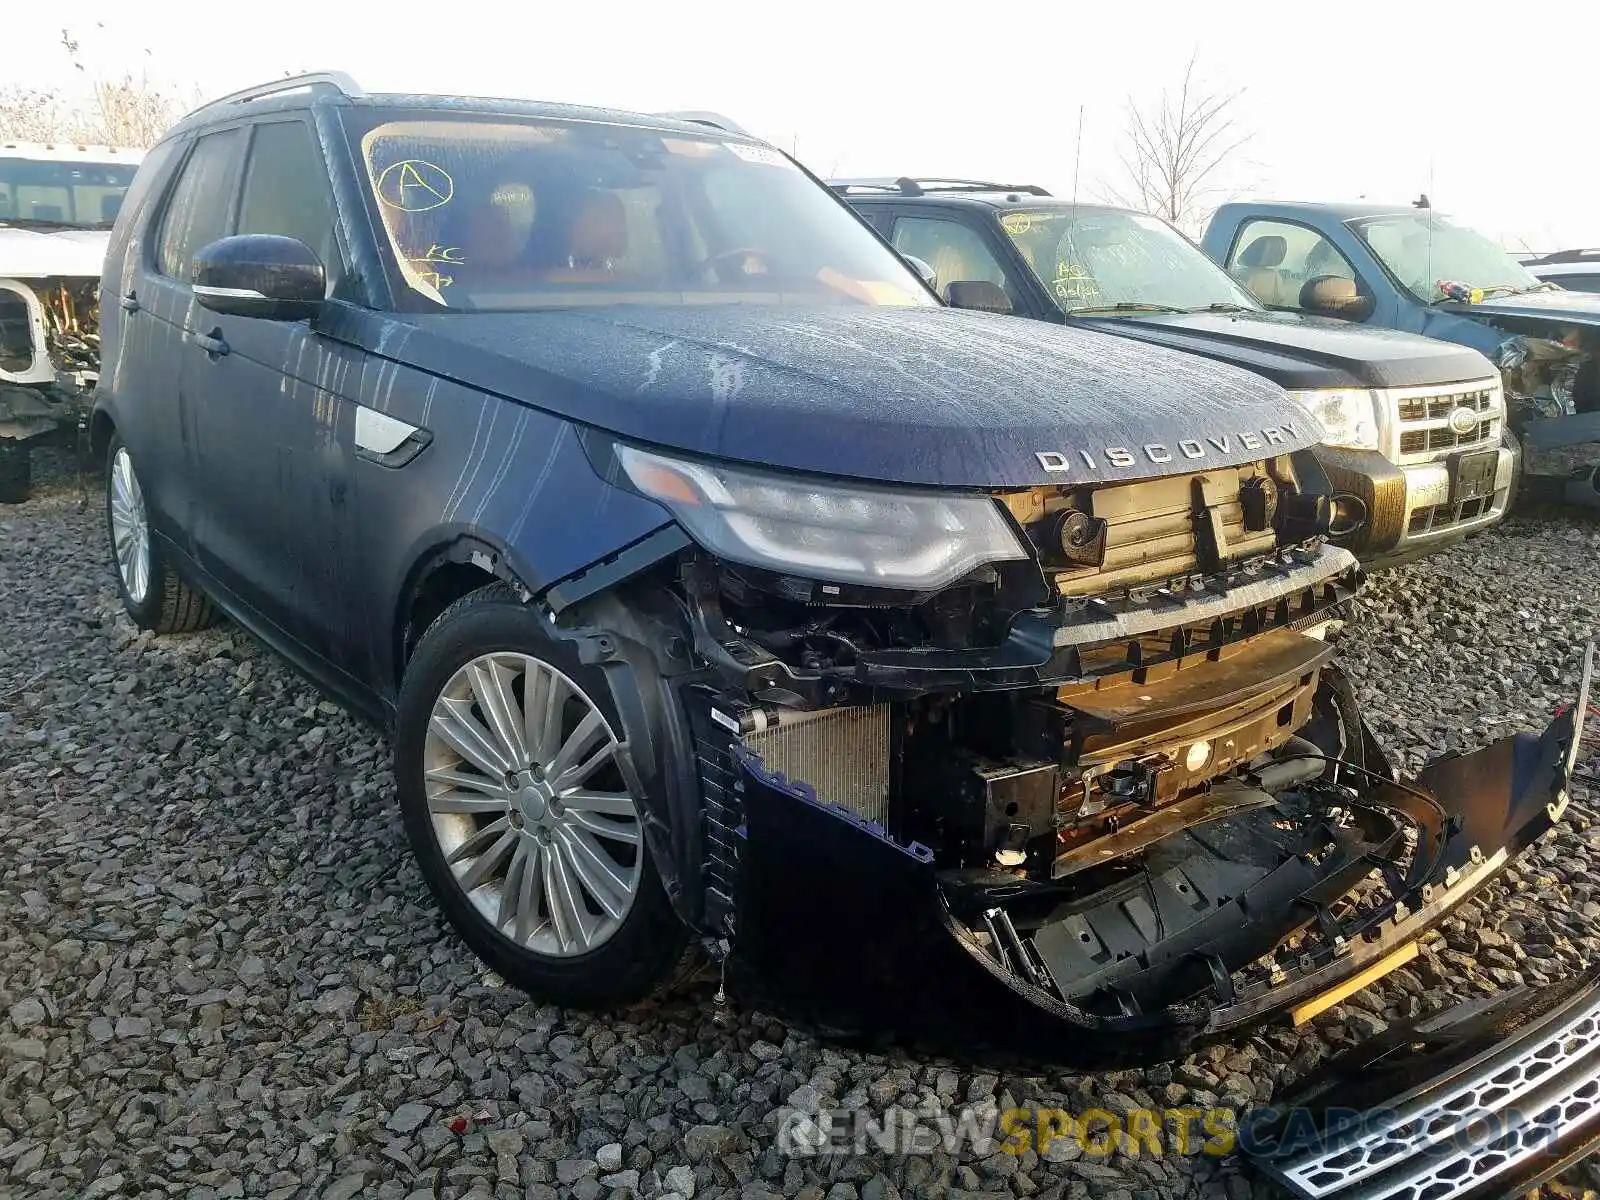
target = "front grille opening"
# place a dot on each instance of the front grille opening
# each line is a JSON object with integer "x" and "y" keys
{"x": 1442, "y": 516}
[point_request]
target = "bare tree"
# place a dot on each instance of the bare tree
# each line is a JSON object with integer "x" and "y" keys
{"x": 1175, "y": 148}
{"x": 125, "y": 111}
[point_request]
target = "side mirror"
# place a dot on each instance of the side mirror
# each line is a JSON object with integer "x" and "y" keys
{"x": 923, "y": 269}
{"x": 260, "y": 275}
{"x": 1335, "y": 296}
{"x": 979, "y": 295}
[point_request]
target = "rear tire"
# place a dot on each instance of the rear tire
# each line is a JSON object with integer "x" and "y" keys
{"x": 152, "y": 593}
{"x": 541, "y": 865}
{"x": 16, "y": 471}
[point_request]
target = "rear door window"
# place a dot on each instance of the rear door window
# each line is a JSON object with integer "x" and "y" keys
{"x": 198, "y": 207}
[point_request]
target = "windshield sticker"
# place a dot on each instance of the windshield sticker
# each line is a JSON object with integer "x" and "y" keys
{"x": 757, "y": 154}
{"x": 415, "y": 185}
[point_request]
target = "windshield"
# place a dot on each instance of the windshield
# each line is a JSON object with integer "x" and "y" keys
{"x": 1423, "y": 250}
{"x": 63, "y": 193}
{"x": 1097, "y": 259}
{"x": 495, "y": 213}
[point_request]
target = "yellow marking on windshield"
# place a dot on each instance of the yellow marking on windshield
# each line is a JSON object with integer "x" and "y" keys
{"x": 415, "y": 185}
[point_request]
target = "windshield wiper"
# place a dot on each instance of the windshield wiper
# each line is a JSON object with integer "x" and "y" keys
{"x": 1124, "y": 306}
{"x": 1222, "y": 306}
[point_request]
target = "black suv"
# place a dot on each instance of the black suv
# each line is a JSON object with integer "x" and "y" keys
{"x": 1414, "y": 429}
{"x": 723, "y": 590}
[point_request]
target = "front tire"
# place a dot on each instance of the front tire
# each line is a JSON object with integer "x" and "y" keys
{"x": 509, "y": 758}
{"x": 152, "y": 593}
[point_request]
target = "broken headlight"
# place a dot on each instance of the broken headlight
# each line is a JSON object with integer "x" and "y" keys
{"x": 1348, "y": 415}
{"x": 878, "y": 537}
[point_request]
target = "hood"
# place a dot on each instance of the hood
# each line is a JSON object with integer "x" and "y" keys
{"x": 1305, "y": 352}
{"x": 38, "y": 253}
{"x": 1563, "y": 307}
{"x": 907, "y": 395}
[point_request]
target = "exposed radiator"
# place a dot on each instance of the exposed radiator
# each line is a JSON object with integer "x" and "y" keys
{"x": 843, "y": 753}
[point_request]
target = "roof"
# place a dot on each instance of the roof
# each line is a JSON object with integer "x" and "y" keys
{"x": 1558, "y": 270}
{"x": 1586, "y": 255}
{"x": 1348, "y": 211}
{"x": 335, "y": 87}
{"x": 69, "y": 152}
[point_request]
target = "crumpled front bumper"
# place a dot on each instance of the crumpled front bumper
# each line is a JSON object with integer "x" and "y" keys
{"x": 1566, "y": 449}
{"x": 841, "y": 927}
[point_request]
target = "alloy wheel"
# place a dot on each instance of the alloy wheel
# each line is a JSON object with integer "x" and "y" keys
{"x": 529, "y": 805}
{"x": 130, "y": 528}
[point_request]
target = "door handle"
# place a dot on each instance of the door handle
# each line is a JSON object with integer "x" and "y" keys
{"x": 130, "y": 302}
{"x": 212, "y": 343}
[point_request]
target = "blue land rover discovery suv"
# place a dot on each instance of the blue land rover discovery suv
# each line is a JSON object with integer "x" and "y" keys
{"x": 724, "y": 592}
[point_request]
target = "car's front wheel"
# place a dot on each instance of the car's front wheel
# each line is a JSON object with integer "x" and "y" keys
{"x": 152, "y": 593}
{"x": 510, "y": 763}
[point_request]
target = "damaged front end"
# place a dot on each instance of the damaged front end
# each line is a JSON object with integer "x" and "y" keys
{"x": 1091, "y": 808}
{"x": 49, "y": 360}
{"x": 1551, "y": 374}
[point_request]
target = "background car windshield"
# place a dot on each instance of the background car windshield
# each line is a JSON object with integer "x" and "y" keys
{"x": 68, "y": 193}
{"x": 495, "y": 213}
{"x": 1091, "y": 258}
{"x": 1423, "y": 250}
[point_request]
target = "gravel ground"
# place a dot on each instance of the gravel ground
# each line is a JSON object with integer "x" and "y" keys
{"x": 223, "y": 976}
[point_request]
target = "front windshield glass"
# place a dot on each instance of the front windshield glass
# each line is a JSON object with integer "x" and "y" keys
{"x": 496, "y": 213}
{"x": 1423, "y": 251}
{"x": 62, "y": 193}
{"x": 1098, "y": 260}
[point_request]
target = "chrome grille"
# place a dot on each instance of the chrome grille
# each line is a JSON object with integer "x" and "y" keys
{"x": 842, "y": 753}
{"x": 1459, "y": 1135}
{"x": 1424, "y": 408}
{"x": 1423, "y": 419}
{"x": 1420, "y": 441}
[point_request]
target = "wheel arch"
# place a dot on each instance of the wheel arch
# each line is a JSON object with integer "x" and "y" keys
{"x": 450, "y": 565}
{"x": 102, "y": 428}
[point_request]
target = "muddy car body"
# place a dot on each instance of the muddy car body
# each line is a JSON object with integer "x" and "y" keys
{"x": 720, "y": 588}
{"x": 1416, "y": 270}
{"x": 56, "y": 208}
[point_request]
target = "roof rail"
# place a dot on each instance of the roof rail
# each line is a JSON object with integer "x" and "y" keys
{"x": 715, "y": 120}
{"x": 335, "y": 82}
{"x": 907, "y": 185}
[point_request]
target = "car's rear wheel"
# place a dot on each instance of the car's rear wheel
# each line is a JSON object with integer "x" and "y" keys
{"x": 16, "y": 471}
{"x": 509, "y": 760}
{"x": 152, "y": 593}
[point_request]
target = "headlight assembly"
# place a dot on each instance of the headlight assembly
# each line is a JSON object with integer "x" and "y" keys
{"x": 878, "y": 537}
{"x": 1348, "y": 416}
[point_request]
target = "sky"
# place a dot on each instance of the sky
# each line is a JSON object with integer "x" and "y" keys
{"x": 1491, "y": 116}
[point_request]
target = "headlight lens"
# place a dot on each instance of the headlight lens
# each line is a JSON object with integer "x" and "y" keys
{"x": 864, "y": 535}
{"x": 1348, "y": 416}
